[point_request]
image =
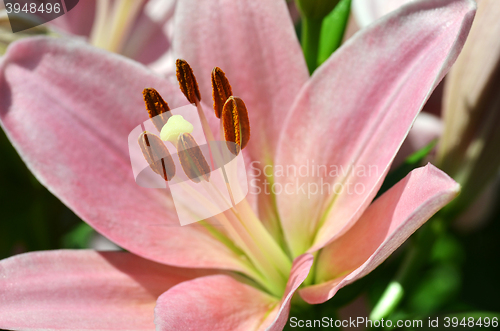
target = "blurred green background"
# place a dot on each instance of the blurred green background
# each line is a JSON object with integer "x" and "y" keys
{"x": 31, "y": 218}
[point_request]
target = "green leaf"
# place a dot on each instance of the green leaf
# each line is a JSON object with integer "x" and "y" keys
{"x": 31, "y": 218}
{"x": 332, "y": 30}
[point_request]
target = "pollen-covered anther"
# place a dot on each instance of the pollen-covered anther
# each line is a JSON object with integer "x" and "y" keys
{"x": 187, "y": 81}
{"x": 192, "y": 159}
{"x": 221, "y": 90}
{"x": 157, "y": 155}
{"x": 236, "y": 124}
{"x": 157, "y": 108}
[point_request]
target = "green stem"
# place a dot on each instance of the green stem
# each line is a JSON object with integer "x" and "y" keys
{"x": 388, "y": 302}
{"x": 311, "y": 30}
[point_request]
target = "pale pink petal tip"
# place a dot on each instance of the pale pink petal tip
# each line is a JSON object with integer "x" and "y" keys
{"x": 384, "y": 226}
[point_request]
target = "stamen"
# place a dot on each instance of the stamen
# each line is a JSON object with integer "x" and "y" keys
{"x": 187, "y": 81}
{"x": 221, "y": 90}
{"x": 236, "y": 124}
{"x": 157, "y": 108}
{"x": 192, "y": 160}
{"x": 157, "y": 155}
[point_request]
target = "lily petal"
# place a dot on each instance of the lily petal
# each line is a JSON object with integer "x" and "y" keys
{"x": 68, "y": 109}
{"x": 84, "y": 290}
{"x": 222, "y": 303}
{"x": 264, "y": 65}
{"x": 213, "y": 303}
{"x": 300, "y": 270}
{"x": 355, "y": 112}
{"x": 385, "y": 225}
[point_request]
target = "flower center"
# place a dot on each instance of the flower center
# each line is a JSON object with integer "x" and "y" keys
{"x": 264, "y": 260}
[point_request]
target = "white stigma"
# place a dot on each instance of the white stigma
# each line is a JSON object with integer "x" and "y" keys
{"x": 175, "y": 126}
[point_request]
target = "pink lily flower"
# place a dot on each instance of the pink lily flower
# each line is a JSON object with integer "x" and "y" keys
{"x": 68, "y": 109}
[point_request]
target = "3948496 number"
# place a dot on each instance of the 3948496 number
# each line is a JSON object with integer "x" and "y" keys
{"x": 33, "y": 8}
{"x": 470, "y": 322}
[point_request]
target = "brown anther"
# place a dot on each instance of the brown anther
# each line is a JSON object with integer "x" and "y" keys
{"x": 192, "y": 160}
{"x": 158, "y": 109}
{"x": 187, "y": 81}
{"x": 221, "y": 90}
{"x": 157, "y": 155}
{"x": 236, "y": 124}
